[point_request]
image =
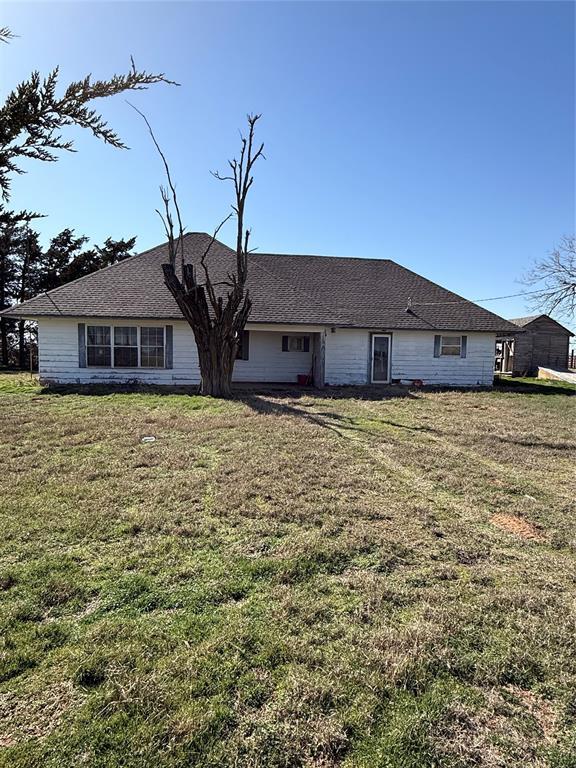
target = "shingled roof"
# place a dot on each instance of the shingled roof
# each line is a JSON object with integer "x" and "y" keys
{"x": 315, "y": 290}
{"x": 523, "y": 322}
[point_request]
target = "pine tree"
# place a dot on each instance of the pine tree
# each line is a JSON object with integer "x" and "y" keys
{"x": 98, "y": 257}
{"x": 21, "y": 257}
{"x": 7, "y": 285}
{"x": 63, "y": 249}
{"x": 34, "y": 115}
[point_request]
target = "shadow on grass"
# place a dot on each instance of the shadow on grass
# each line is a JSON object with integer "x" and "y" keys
{"x": 271, "y": 400}
{"x": 535, "y": 386}
{"x": 104, "y": 390}
{"x": 286, "y": 403}
{"x": 568, "y": 446}
{"x": 241, "y": 392}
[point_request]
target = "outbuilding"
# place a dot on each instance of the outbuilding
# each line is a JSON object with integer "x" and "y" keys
{"x": 542, "y": 343}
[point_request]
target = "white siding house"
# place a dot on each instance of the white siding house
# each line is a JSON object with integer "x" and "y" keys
{"x": 347, "y": 356}
{"x": 338, "y": 321}
{"x": 348, "y": 359}
{"x": 413, "y": 358}
{"x": 59, "y": 356}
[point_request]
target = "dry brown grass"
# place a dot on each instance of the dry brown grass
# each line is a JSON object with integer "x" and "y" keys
{"x": 287, "y": 580}
{"x": 517, "y": 526}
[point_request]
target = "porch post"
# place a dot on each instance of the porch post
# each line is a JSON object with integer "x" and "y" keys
{"x": 319, "y": 353}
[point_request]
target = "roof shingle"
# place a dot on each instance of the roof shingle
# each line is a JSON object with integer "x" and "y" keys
{"x": 523, "y": 322}
{"x": 318, "y": 290}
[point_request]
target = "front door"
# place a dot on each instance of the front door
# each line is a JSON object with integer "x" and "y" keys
{"x": 380, "y": 359}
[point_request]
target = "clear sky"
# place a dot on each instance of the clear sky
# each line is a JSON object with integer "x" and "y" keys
{"x": 437, "y": 134}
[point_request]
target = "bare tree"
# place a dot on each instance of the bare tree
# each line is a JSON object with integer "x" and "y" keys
{"x": 554, "y": 278}
{"x": 216, "y": 311}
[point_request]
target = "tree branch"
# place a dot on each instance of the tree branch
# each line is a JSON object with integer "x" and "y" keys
{"x": 557, "y": 275}
{"x": 180, "y": 242}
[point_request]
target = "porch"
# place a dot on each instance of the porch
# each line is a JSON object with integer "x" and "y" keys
{"x": 281, "y": 356}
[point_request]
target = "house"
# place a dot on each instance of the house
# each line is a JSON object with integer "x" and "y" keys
{"x": 345, "y": 321}
{"x": 543, "y": 343}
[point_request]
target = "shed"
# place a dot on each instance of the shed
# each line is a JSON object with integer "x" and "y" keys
{"x": 542, "y": 342}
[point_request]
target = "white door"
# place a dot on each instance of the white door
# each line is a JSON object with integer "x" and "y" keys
{"x": 380, "y": 358}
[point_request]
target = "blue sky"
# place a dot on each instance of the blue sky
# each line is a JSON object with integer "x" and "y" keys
{"x": 437, "y": 134}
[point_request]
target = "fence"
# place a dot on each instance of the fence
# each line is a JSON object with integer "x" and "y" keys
{"x": 572, "y": 358}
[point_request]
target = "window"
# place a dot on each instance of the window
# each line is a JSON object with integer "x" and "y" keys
{"x": 152, "y": 347}
{"x": 243, "y": 351}
{"x": 125, "y": 347}
{"x": 450, "y": 345}
{"x": 295, "y": 343}
{"x": 98, "y": 345}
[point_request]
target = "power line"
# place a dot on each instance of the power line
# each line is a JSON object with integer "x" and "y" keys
{"x": 468, "y": 301}
{"x": 52, "y": 301}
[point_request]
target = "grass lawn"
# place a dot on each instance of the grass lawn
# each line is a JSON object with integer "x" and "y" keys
{"x": 287, "y": 581}
{"x": 533, "y": 384}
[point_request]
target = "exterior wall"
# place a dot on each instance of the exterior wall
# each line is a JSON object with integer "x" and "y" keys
{"x": 346, "y": 360}
{"x": 541, "y": 344}
{"x": 268, "y": 363}
{"x": 347, "y": 356}
{"x": 412, "y": 357}
{"x": 58, "y": 357}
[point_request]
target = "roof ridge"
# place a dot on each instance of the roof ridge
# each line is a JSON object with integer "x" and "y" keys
{"x": 529, "y": 317}
{"x": 320, "y": 256}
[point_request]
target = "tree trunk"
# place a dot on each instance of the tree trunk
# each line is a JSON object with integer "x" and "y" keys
{"x": 21, "y": 345}
{"x": 3, "y": 305}
{"x": 4, "y": 341}
{"x": 216, "y": 356}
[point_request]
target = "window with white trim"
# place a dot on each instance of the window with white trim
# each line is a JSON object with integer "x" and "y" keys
{"x": 125, "y": 347}
{"x": 295, "y": 343}
{"x": 152, "y": 347}
{"x": 450, "y": 345}
{"x": 98, "y": 352}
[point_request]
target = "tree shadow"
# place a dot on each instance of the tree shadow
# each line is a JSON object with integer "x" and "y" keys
{"x": 533, "y": 388}
{"x": 241, "y": 391}
{"x": 104, "y": 390}
{"x": 527, "y": 443}
{"x": 287, "y": 391}
{"x": 286, "y": 403}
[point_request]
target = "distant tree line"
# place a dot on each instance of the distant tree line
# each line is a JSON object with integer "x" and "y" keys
{"x": 27, "y": 269}
{"x": 33, "y": 119}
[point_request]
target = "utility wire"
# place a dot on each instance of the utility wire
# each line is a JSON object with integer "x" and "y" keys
{"x": 52, "y": 301}
{"x": 468, "y": 301}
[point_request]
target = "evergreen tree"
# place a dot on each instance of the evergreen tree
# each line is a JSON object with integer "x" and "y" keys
{"x": 63, "y": 249}
{"x": 98, "y": 257}
{"x": 21, "y": 257}
{"x": 32, "y": 119}
{"x": 7, "y": 285}
{"x": 34, "y": 114}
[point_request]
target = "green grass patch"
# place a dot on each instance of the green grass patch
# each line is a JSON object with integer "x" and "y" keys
{"x": 328, "y": 581}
